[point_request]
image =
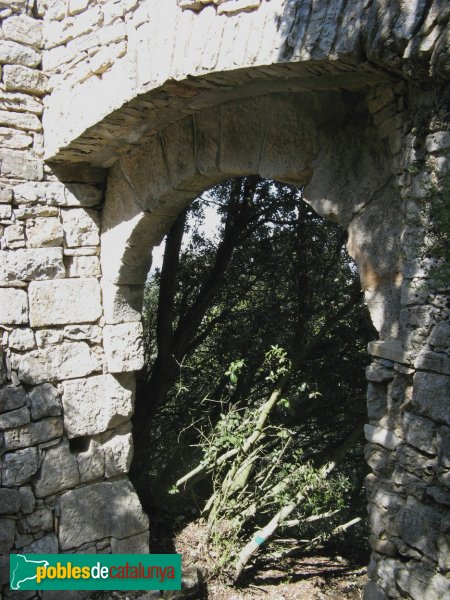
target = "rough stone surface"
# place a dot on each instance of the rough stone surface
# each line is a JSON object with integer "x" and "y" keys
{"x": 9, "y": 501}
{"x": 18, "y": 467}
{"x": 13, "y": 306}
{"x": 136, "y": 544}
{"x": 65, "y": 301}
{"x": 381, "y": 436}
{"x": 44, "y": 232}
{"x": 81, "y": 227}
{"x": 12, "y": 52}
{"x": 99, "y": 510}
{"x": 431, "y": 393}
{"x": 123, "y": 347}
{"x": 24, "y": 29}
{"x": 11, "y": 397}
{"x": 7, "y": 532}
{"x": 95, "y": 404}
{"x": 122, "y": 304}
{"x": 67, "y": 360}
{"x": 348, "y": 99}
{"x": 22, "y": 339}
{"x": 24, "y": 79}
{"x": 31, "y": 264}
{"x": 32, "y": 434}
{"x": 15, "y": 418}
{"x": 44, "y": 402}
{"x": 59, "y": 471}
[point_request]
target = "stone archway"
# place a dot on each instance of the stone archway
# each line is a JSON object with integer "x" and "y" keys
{"x": 358, "y": 112}
{"x": 326, "y": 142}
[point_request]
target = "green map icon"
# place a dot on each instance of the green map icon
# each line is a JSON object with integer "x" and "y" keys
{"x": 23, "y": 570}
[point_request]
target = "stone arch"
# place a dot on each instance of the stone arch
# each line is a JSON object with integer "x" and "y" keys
{"x": 325, "y": 142}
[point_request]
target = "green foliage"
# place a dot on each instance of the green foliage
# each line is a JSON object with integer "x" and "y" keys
{"x": 290, "y": 287}
{"x": 255, "y": 483}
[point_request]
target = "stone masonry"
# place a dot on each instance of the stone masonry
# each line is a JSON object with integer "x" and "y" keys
{"x": 113, "y": 115}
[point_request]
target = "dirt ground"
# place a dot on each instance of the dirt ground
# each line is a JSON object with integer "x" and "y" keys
{"x": 315, "y": 576}
{"x": 319, "y": 575}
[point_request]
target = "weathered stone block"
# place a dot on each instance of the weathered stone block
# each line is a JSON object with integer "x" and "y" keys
{"x": 44, "y": 401}
{"x": 440, "y": 336}
{"x": 122, "y": 303}
{"x": 81, "y": 227}
{"x": 430, "y": 396}
{"x": 13, "y": 306}
{"x": 83, "y": 266}
{"x": 16, "y": 103}
{"x": 33, "y": 433}
{"x": 18, "y": 54}
{"x": 59, "y": 471}
{"x": 373, "y": 592}
{"x": 15, "y": 236}
{"x": 413, "y": 461}
{"x": 15, "y": 139}
{"x": 44, "y": 232}
{"x": 70, "y": 359}
{"x": 82, "y": 194}
{"x": 77, "y": 6}
{"x": 39, "y": 520}
{"x": 100, "y": 510}
{"x": 35, "y": 264}
{"x": 23, "y": 79}
{"x": 123, "y": 347}
{"x": 438, "y": 141}
{"x": 376, "y": 400}
{"x": 443, "y": 444}
{"x": 379, "y": 374}
{"x": 11, "y": 397}
{"x": 98, "y": 403}
{"x": 48, "y": 544}
{"x": 21, "y": 339}
{"x": 420, "y": 432}
{"x": 15, "y": 418}
{"x": 42, "y": 192}
{"x": 420, "y": 583}
{"x": 382, "y": 437}
{"x": 118, "y": 453}
{"x": 136, "y": 544}
{"x": 379, "y": 459}
{"x": 63, "y": 302}
{"x": 49, "y": 337}
{"x": 9, "y": 501}
{"x": 91, "y": 463}
{"x": 7, "y": 532}
{"x": 20, "y": 120}
{"x": 18, "y": 164}
{"x": 27, "y": 501}
{"x": 18, "y": 467}
{"x": 5, "y": 213}
{"x": 433, "y": 361}
{"x": 31, "y": 212}
{"x": 23, "y": 29}
{"x": 5, "y": 195}
{"x": 91, "y": 333}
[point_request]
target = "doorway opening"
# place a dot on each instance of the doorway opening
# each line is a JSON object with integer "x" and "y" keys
{"x": 252, "y": 399}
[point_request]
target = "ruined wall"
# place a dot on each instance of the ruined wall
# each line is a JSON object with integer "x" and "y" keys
{"x": 51, "y": 328}
{"x": 347, "y": 99}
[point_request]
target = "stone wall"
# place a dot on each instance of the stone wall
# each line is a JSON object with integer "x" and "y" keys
{"x": 58, "y": 493}
{"x": 409, "y": 384}
{"x": 349, "y": 99}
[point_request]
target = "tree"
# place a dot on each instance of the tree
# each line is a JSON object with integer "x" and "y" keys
{"x": 278, "y": 277}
